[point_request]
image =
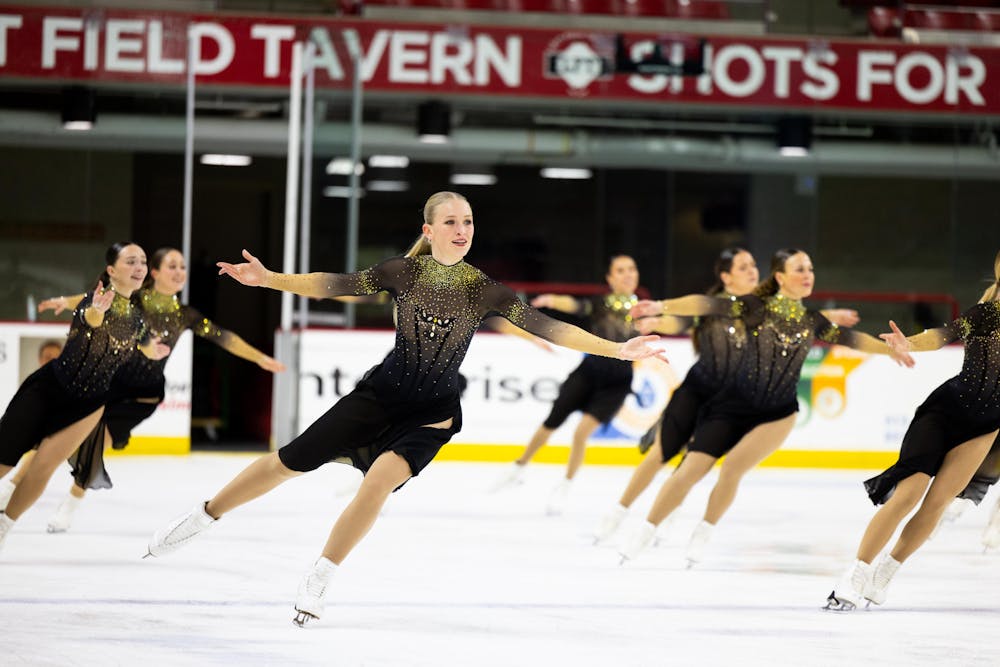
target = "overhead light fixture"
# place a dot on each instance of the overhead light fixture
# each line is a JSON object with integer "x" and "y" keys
{"x": 387, "y": 186}
{"x": 341, "y": 166}
{"x": 473, "y": 179}
{"x": 433, "y": 122}
{"x": 470, "y": 175}
{"x": 79, "y": 108}
{"x": 342, "y": 191}
{"x": 220, "y": 160}
{"x": 566, "y": 172}
{"x": 389, "y": 161}
{"x": 794, "y": 135}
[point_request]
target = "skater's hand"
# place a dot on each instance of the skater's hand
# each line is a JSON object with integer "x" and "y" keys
{"x": 899, "y": 346}
{"x": 155, "y": 350}
{"x": 842, "y": 317}
{"x": 646, "y": 308}
{"x": 270, "y": 364}
{"x": 251, "y": 273}
{"x": 56, "y": 304}
{"x": 640, "y": 348}
{"x": 102, "y": 298}
{"x": 646, "y": 325}
{"x": 543, "y": 301}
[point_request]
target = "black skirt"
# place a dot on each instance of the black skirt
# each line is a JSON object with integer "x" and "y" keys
{"x": 363, "y": 425}
{"x": 680, "y": 416}
{"x": 589, "y": 390}
{"x": 122, "y": 414}
{"x": 41, "y": 407}
{"x": 939, "y": 425}
{"x": 728, "y": 416}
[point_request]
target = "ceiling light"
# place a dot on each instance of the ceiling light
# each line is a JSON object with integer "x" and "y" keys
{"x": 388, "y": 186}
{"x": 473, "y": 179}
{"x": 566, "y": 172}
{"x": 219, "y": 160}
{"x": 794, "y": 135}
{"x": 389, "y": 161}
{"x": 341, "y": 166}
{"x": 341, "y": 191}
{"x": 472, "y": 175}
{"x": 433, "y": 122}
{"x": 79, "y": 108}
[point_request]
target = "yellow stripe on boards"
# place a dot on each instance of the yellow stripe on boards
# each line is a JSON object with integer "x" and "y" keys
{"x": 596, "y": 454}
{"x": 146, "y": 445}
{"x": 630, "y": 456}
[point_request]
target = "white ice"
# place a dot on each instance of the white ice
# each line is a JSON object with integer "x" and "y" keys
{"x": 452, "y": 575}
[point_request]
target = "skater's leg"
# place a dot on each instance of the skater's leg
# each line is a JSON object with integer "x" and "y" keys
{"x": 956, "y": 471}
{"x": 755, "y": 446}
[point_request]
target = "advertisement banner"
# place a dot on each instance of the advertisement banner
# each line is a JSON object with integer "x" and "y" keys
{"x": 128, "y": 46}
{"x": 167, "y": 431}
{"x": 853, "y": 408}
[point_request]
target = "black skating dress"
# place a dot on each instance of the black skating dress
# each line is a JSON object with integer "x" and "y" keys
{"x": 779, "y": 333}
{"x": 439, "y": 307}
{"x": 599, "y": 385}
{"x": 76, "y": 383}
{"x": 139, "y": 386}
{"x": 720, "y": 342}
{"x": 965, "y": 407}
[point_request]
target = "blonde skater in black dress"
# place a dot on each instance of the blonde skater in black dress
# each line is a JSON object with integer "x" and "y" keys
{"x": 407, "y": 407}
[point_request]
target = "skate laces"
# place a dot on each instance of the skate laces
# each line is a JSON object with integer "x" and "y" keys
{"x": 859, "y": 577}
{"x": 192, "y": 524}
{"x": 316, "y": 584}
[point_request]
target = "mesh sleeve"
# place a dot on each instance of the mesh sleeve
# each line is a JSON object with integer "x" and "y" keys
{"x": 392, "y": 275}
{"x": 501, "y": 300}
{"x": 207, "y": 329}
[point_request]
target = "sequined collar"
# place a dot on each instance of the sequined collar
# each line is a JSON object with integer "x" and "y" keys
{"x": 790, "y": 310}
{"x": 155, "y": 302}
{"x": 122, "y": 305}
{"x": 621, "y": 304}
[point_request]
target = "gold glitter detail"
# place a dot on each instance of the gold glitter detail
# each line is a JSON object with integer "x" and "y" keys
{"x": 621, "y": 304}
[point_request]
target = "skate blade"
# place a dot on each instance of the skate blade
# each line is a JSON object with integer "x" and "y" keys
{"x": 834, "y": 603}
{"x": 302, "y": 618}
{"x": 52, "y": 530}
{"x": 149, "y": 554}
{"x": 690, "y": 564}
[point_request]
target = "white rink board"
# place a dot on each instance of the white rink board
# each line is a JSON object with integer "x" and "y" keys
{"x": 848, "y": 401}
{"x": 19, "y": 344}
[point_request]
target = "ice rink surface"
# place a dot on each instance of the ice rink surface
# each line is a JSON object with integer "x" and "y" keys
{"x": 453, "y": 575}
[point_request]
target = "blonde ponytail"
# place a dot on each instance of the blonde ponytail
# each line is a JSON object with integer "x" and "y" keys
{"x": 991, "y": 292}
{"x": 420, "y": 247}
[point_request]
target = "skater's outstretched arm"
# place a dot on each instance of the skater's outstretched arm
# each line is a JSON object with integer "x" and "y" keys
{"x": 58, "y": 304}
{"x": 230, "y": 342}
{"x": 929, "y": 340}
{"x": 561, "y": 302}
{"x": 664, "y": 324}
{"x": 502, "y": 300}
{"x": 692, "y": 304}
{"x": 387, "y": 275}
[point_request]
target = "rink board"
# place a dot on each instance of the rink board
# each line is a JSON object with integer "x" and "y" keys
{"x": 167, "y": 431}
{"x": 853, "y": 408}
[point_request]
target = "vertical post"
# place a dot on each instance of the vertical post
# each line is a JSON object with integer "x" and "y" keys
{"x": 292, "y": 179}
{"x": 305, "y": 215}
{"x": 192, "y": 59}
{"x": 354, "y": 48}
